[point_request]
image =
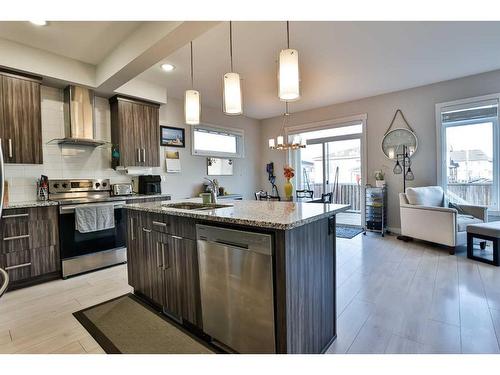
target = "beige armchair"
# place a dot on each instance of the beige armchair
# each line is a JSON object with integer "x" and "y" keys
{"x": 424, "y": 216}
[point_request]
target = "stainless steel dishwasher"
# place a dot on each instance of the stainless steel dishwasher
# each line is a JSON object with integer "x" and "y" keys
{"x": 236, "y": 282}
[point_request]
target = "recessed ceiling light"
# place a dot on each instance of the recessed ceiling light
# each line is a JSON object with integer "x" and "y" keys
{"x": 167, "y": 67}
{"x": 39, "y": 23}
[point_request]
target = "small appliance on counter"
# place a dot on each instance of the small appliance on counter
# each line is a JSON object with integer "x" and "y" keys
{"x": 121, "y": 189}
{"x": 149, "y": 184}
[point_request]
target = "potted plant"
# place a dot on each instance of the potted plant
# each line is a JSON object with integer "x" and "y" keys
{"x": 288, "y": 172}
{"x": 379, "y": 179}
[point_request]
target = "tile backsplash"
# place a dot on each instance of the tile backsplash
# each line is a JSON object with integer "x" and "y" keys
{"x": 64, "y": 161}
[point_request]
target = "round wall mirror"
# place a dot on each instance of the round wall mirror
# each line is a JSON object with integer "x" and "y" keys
{"x": 394, "y": 140}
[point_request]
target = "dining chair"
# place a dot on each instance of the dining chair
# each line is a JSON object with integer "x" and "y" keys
{"x": 304, "y": 194}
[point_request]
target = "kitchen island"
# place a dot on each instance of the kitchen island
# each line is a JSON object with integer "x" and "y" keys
{"x": 168, "y": 260}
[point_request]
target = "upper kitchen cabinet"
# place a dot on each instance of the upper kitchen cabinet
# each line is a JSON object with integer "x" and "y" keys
{"x": 135, "y": 131}
{"x": 20, "y": 119}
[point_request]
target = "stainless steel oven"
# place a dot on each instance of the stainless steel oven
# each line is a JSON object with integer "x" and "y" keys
{"x": 83, "y": 252}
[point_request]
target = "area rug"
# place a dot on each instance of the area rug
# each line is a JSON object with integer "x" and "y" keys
{"x": 344, "y": 231}
{"x": 129, "y": 326}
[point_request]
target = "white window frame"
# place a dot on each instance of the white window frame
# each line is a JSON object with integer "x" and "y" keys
{"x": 441, "y": 142}
{"x": 238, "y": 133}
{"x": 339, "y": 123}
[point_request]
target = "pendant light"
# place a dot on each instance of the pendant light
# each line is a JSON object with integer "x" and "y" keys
{"x": 288, "y": 71}
{"x": 280, "y": 144}
{"x": 232, "y": 102}
{"x": 192, "y": 105}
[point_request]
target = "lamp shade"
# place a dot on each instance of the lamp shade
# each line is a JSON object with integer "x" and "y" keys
{"x": 288, "y": 75}
{"x": 280, "y": 141}
{"x": 192, "y": 107}
{"x": 232, "y": 104}
{"x": 271, "y": 143}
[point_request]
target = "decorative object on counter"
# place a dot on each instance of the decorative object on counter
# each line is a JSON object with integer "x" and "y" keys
{"x": 172, "y": 137}
{"x": 288, "y": 73}
{"x": 394, "y": 140}
{"x": 206, "y": 198}
{"x": 375, "y": 209}
{"x": 280, "y": 144}
{"x": 404, "y": 168}
{"x": 42, "y": 190}
{"x": 172, "y": 162}
{"x": 232, "y": 101}
{"x": 288, "y": 172}
{"x": 272, "y": 179}
{"x": 262, "y": 195}
{"x": 192, "y": 102}
{"x": 379, "y": 178}
{"x": 219, "y": 167}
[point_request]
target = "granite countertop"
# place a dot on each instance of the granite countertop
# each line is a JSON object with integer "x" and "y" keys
{"x": 29, "y": 204}
{"x": 262, "y": 214}
{"x": 35, "y": 203}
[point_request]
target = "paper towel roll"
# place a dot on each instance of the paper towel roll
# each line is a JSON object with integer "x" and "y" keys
{"x": 138, "y": 171}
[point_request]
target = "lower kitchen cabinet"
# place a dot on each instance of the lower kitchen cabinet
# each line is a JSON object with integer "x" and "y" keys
{"x": 29, "y": 246}
{"x": 164, "y": 268}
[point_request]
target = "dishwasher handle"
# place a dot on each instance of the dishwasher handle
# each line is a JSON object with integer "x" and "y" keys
{"x": 231, "y": 243}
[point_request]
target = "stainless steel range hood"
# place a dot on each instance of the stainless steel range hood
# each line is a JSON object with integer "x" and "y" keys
{"x": 79, "y": 118}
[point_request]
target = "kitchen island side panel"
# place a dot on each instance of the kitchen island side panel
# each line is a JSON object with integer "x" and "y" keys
{"x": 310, "y": 287}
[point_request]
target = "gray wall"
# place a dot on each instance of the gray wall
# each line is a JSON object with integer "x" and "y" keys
{"x": 188, "y": 183}
{"x": 417, "y": 104}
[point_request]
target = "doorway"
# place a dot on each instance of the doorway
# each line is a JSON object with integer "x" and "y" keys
{"x": 333, "y": 163}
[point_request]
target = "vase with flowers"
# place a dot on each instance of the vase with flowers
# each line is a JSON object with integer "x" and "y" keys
{"x": 288, "y": 172}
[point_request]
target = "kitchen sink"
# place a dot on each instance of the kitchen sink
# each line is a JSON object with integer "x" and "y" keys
{"x": 195, "y": 206}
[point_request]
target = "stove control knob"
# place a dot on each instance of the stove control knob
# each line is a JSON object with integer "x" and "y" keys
{"x": 56, "y": 186}
{"x": 65, "y": 185}
{"x": 104, "y": 184}
{"x": 97, "y": 184}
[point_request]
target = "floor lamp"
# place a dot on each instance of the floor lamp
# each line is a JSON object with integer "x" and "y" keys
{"x": 404, "y": 168}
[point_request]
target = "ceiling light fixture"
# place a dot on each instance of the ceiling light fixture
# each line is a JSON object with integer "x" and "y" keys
{"x": 39, "y": 23}
{"x": 232, "y": 101}
{"x": 167, "y": 67}
{"x": 280, "y": 144}
{"x": 192, "y": 107}
{"x": 288, "y": 71}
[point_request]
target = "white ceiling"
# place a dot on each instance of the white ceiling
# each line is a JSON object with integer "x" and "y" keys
{"x": 339, "y": 61}
{"x": 87, "y": 41}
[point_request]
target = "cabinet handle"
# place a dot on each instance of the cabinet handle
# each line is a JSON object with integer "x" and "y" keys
{"x": 165, "y": 264}
{"x": 13, "y": 216}
{"x": 177, "y": 237}
{"x": 132, "y": 229}
{"x": 159, "y": 223}
{"x": 17, "y": 266}
{"x": 16, "y": 237}
{"x": 146, "y": 230}
{"x": 139, "y": 155}
{"x": 158, "y": 264}
{"x": 143, "y": 155}
{"x": 10, "y": 147}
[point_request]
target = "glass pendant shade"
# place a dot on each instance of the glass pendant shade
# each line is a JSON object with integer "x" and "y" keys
{"x": 192, "y": 107}
{"x": 280, "y": 140}
{"x": 397, "y": 168}
{"x": 272, "y": 143}
{"x": 232, "y": 104}
{"x": 409, "y": 175}
{"x": 288, "y": 75}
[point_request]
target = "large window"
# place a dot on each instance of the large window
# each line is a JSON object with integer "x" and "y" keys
{"x": 211, "y": 141}
{"x": 469, "y": 138}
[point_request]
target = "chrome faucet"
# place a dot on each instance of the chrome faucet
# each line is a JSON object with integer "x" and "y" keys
{"x": 213, "y": 192}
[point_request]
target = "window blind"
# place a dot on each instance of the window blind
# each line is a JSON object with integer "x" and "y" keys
{"x": 470, "y": 111}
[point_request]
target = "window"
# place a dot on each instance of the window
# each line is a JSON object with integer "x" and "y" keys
{"x": 211, "y": 141}
{"x": 469, "y": 137}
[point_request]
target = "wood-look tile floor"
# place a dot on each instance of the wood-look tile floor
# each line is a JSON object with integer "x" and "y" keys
{"x": 392, "y": 297}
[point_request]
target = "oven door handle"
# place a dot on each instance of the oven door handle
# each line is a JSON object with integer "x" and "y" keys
{"x": 71, "y": 208}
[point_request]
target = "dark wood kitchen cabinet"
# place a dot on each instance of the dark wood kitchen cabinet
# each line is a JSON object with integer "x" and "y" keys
{"x": 135, "y": 132}
{"x": 163, "y": 266}
{"x": 20, "y": 119}
{"x": 29, "y": 244}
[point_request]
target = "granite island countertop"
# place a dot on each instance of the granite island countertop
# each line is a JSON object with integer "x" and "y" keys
{"x": 261, "y": 214}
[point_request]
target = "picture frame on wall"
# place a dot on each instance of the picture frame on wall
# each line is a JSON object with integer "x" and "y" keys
{"x": 172, "y": 137}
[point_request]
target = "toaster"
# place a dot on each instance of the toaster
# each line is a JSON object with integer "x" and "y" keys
{"x": 121, "y": 189}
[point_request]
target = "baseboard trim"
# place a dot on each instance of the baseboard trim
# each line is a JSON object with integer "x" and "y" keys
{"x": 394, "y": 230}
